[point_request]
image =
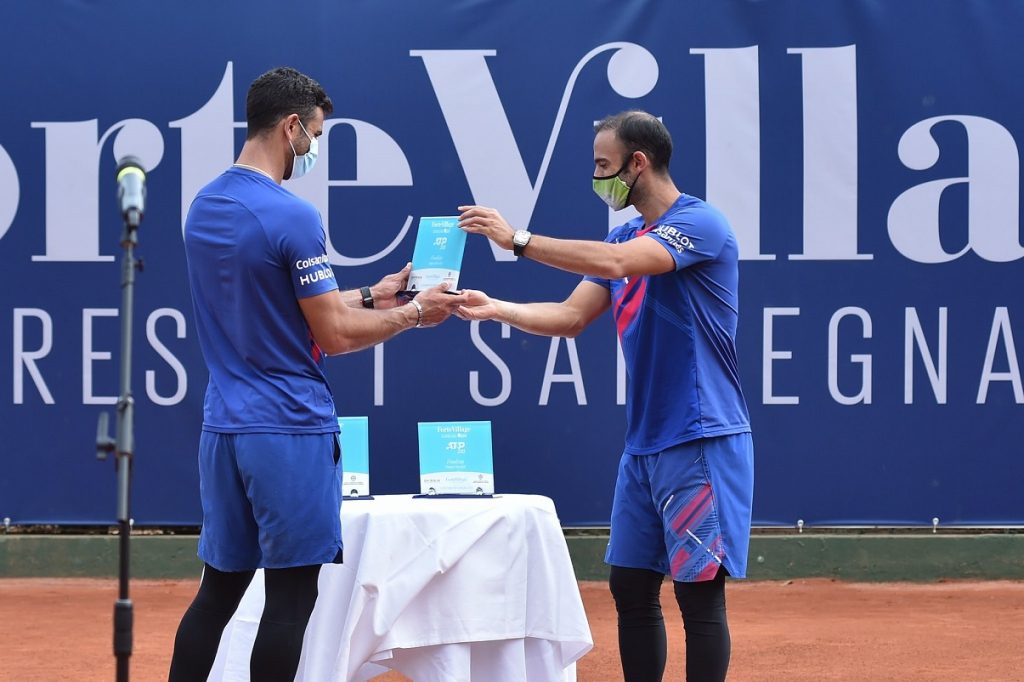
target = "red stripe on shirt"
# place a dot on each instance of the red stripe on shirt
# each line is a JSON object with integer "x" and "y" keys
{"x": 628, "y": 311}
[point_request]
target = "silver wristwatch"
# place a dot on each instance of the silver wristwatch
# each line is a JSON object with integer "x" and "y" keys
{"x": 519, "y": 241}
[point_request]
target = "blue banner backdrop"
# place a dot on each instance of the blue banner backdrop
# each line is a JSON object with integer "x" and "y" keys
{"x": 865, "y": 152}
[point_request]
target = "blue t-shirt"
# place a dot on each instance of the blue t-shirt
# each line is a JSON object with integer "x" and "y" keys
{"x": 253, "y": 250}
{"x": 678, "y": 331}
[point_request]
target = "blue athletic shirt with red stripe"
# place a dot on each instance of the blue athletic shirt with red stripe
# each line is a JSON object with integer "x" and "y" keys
{"x": 254, "y": 249}
{"x": 678, "y": 331}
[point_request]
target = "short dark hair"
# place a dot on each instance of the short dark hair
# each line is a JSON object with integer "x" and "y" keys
{"x": 640, "y": 132}
{"x": 281, "y": 92}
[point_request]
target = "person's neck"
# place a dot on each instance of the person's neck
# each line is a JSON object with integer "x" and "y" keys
{"x": 258, "y": 156}
{"x": 657, "y": 199}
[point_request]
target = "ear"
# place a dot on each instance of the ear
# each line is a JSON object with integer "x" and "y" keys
{"x": 640, "y": 159}
{"x": 289, "y": 122}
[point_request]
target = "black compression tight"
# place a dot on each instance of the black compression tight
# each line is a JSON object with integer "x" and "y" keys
{"x": 708, "y": 645}
{"x": 290, "y": 596}
{"x": 642, "y": 643}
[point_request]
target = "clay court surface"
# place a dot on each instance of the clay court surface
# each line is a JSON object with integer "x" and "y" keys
{"x": 60, "y": 629}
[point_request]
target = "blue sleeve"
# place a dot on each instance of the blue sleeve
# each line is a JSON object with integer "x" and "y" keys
{"x": 613, "y": 237}
{"x": 304, "y": 249}
{"x": 692, "y": 237}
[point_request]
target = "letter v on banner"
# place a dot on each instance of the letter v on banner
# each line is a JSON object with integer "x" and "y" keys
{"x": 481, "y": 131}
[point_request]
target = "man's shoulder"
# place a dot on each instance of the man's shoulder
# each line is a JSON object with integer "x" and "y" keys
{"x": 289, "y": 205}
{"x": 625, "y": 230}
{"x": 262, "y": 195}
{"x": 694, "y": 211}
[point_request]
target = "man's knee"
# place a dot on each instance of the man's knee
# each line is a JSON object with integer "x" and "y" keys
{"x": 291, "y": 594}
{"x": 637, "y": 595}
{"x": 221, "y": 591}
{"x": 702, "y": 602}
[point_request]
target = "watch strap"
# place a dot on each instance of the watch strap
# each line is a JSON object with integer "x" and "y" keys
{"x": 367, "y": 296}
{"x": 517, "y": 249}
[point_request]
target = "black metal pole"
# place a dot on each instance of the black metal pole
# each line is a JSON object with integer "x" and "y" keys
{"x": 125, "y": 447}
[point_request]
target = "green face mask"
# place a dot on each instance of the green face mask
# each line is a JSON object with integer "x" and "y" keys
{"x": 613, "y": 190}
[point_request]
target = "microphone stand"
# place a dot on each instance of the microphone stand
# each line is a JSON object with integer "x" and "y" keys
{"x": 124, "y": 446}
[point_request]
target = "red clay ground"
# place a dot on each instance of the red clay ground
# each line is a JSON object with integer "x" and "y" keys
{"x": 805, "y": 630}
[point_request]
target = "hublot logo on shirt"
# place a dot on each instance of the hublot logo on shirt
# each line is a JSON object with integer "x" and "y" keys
{"x": 316, "y": 276}
{"x": 676, "y": 239}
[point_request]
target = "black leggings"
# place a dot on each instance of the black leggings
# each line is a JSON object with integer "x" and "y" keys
{"x": 642, "y": 644}
{"x": 290, "y": 596}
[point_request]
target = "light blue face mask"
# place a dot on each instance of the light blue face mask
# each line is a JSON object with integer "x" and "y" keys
{"x": 303, "y": 164}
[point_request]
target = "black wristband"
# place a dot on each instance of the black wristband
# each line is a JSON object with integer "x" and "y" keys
{"x": 367, "y": 296}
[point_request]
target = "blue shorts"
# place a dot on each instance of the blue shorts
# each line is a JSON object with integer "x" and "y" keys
{"x": 270, "y": 500}
{"x": 685, "y": 511}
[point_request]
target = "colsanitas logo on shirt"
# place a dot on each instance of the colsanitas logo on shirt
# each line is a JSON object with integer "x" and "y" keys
{"x": 306, "y": 263}
{"x": 326, "y": 272}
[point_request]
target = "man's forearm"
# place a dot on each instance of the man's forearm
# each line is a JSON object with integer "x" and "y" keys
{"x": 362, "y": 330}
{"x": 597, "y": 259}
{"x": 353, "y": 298}
{"x": 543, "y": 319}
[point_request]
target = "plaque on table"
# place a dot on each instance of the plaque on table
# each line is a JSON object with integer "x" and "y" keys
{"x": 437, "y": 256}
{"x": 455, "y": 458}
{"x": 355, "y": 456}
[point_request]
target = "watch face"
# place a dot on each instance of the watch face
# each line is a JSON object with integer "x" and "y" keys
{"x": 521, "y": 237}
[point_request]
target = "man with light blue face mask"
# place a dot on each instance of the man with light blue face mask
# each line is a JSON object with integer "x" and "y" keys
{"x": 304, "y": 163}
{"x": 682, "y": 503}
{"x": 267, "y": 312}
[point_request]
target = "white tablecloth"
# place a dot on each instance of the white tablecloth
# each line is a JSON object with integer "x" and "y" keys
{"x": 438, "y": 589}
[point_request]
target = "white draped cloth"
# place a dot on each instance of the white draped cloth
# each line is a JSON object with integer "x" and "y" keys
{"x": 439, "y": 589}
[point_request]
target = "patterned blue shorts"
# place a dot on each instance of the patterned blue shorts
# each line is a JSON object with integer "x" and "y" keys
{"x": 685, "y": 511}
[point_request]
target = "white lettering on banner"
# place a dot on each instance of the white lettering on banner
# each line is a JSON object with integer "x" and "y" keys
{"x": 993, "y": 199}
{"x": 481, "y": 131}
{"x": 26, "y": 359}
{"x": 1001, "y": 329}
{"x": 180, "y": 375}
{"x": 72, "y": 181}
{"x": 380, "y": 162}
{"x": 732, "y": 115}
{"x": 505, "y": 376}
{"x": 1000, "y": 352}
{"x": 770, "y": 355}
{"x": 794, "y": 366}
{"x": 207, "y": 148}
{"x": 9, "y": 192}
{"x": 830, "y": 153}
{"x": 89, "y": 356}
{"x": 497, "y": 176}
{"x": 914, "y": 335}
{"x": 378, "y": 375}
{"x": 575, "y": 377}
{"x": 207, "y": 140}
{"x": 862, "y": 359}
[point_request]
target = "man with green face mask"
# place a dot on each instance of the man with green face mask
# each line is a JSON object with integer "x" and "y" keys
{"x": 683, "y": 494}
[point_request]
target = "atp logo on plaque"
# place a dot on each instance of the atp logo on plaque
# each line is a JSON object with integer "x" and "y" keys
{"x": 455, "y": 458}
